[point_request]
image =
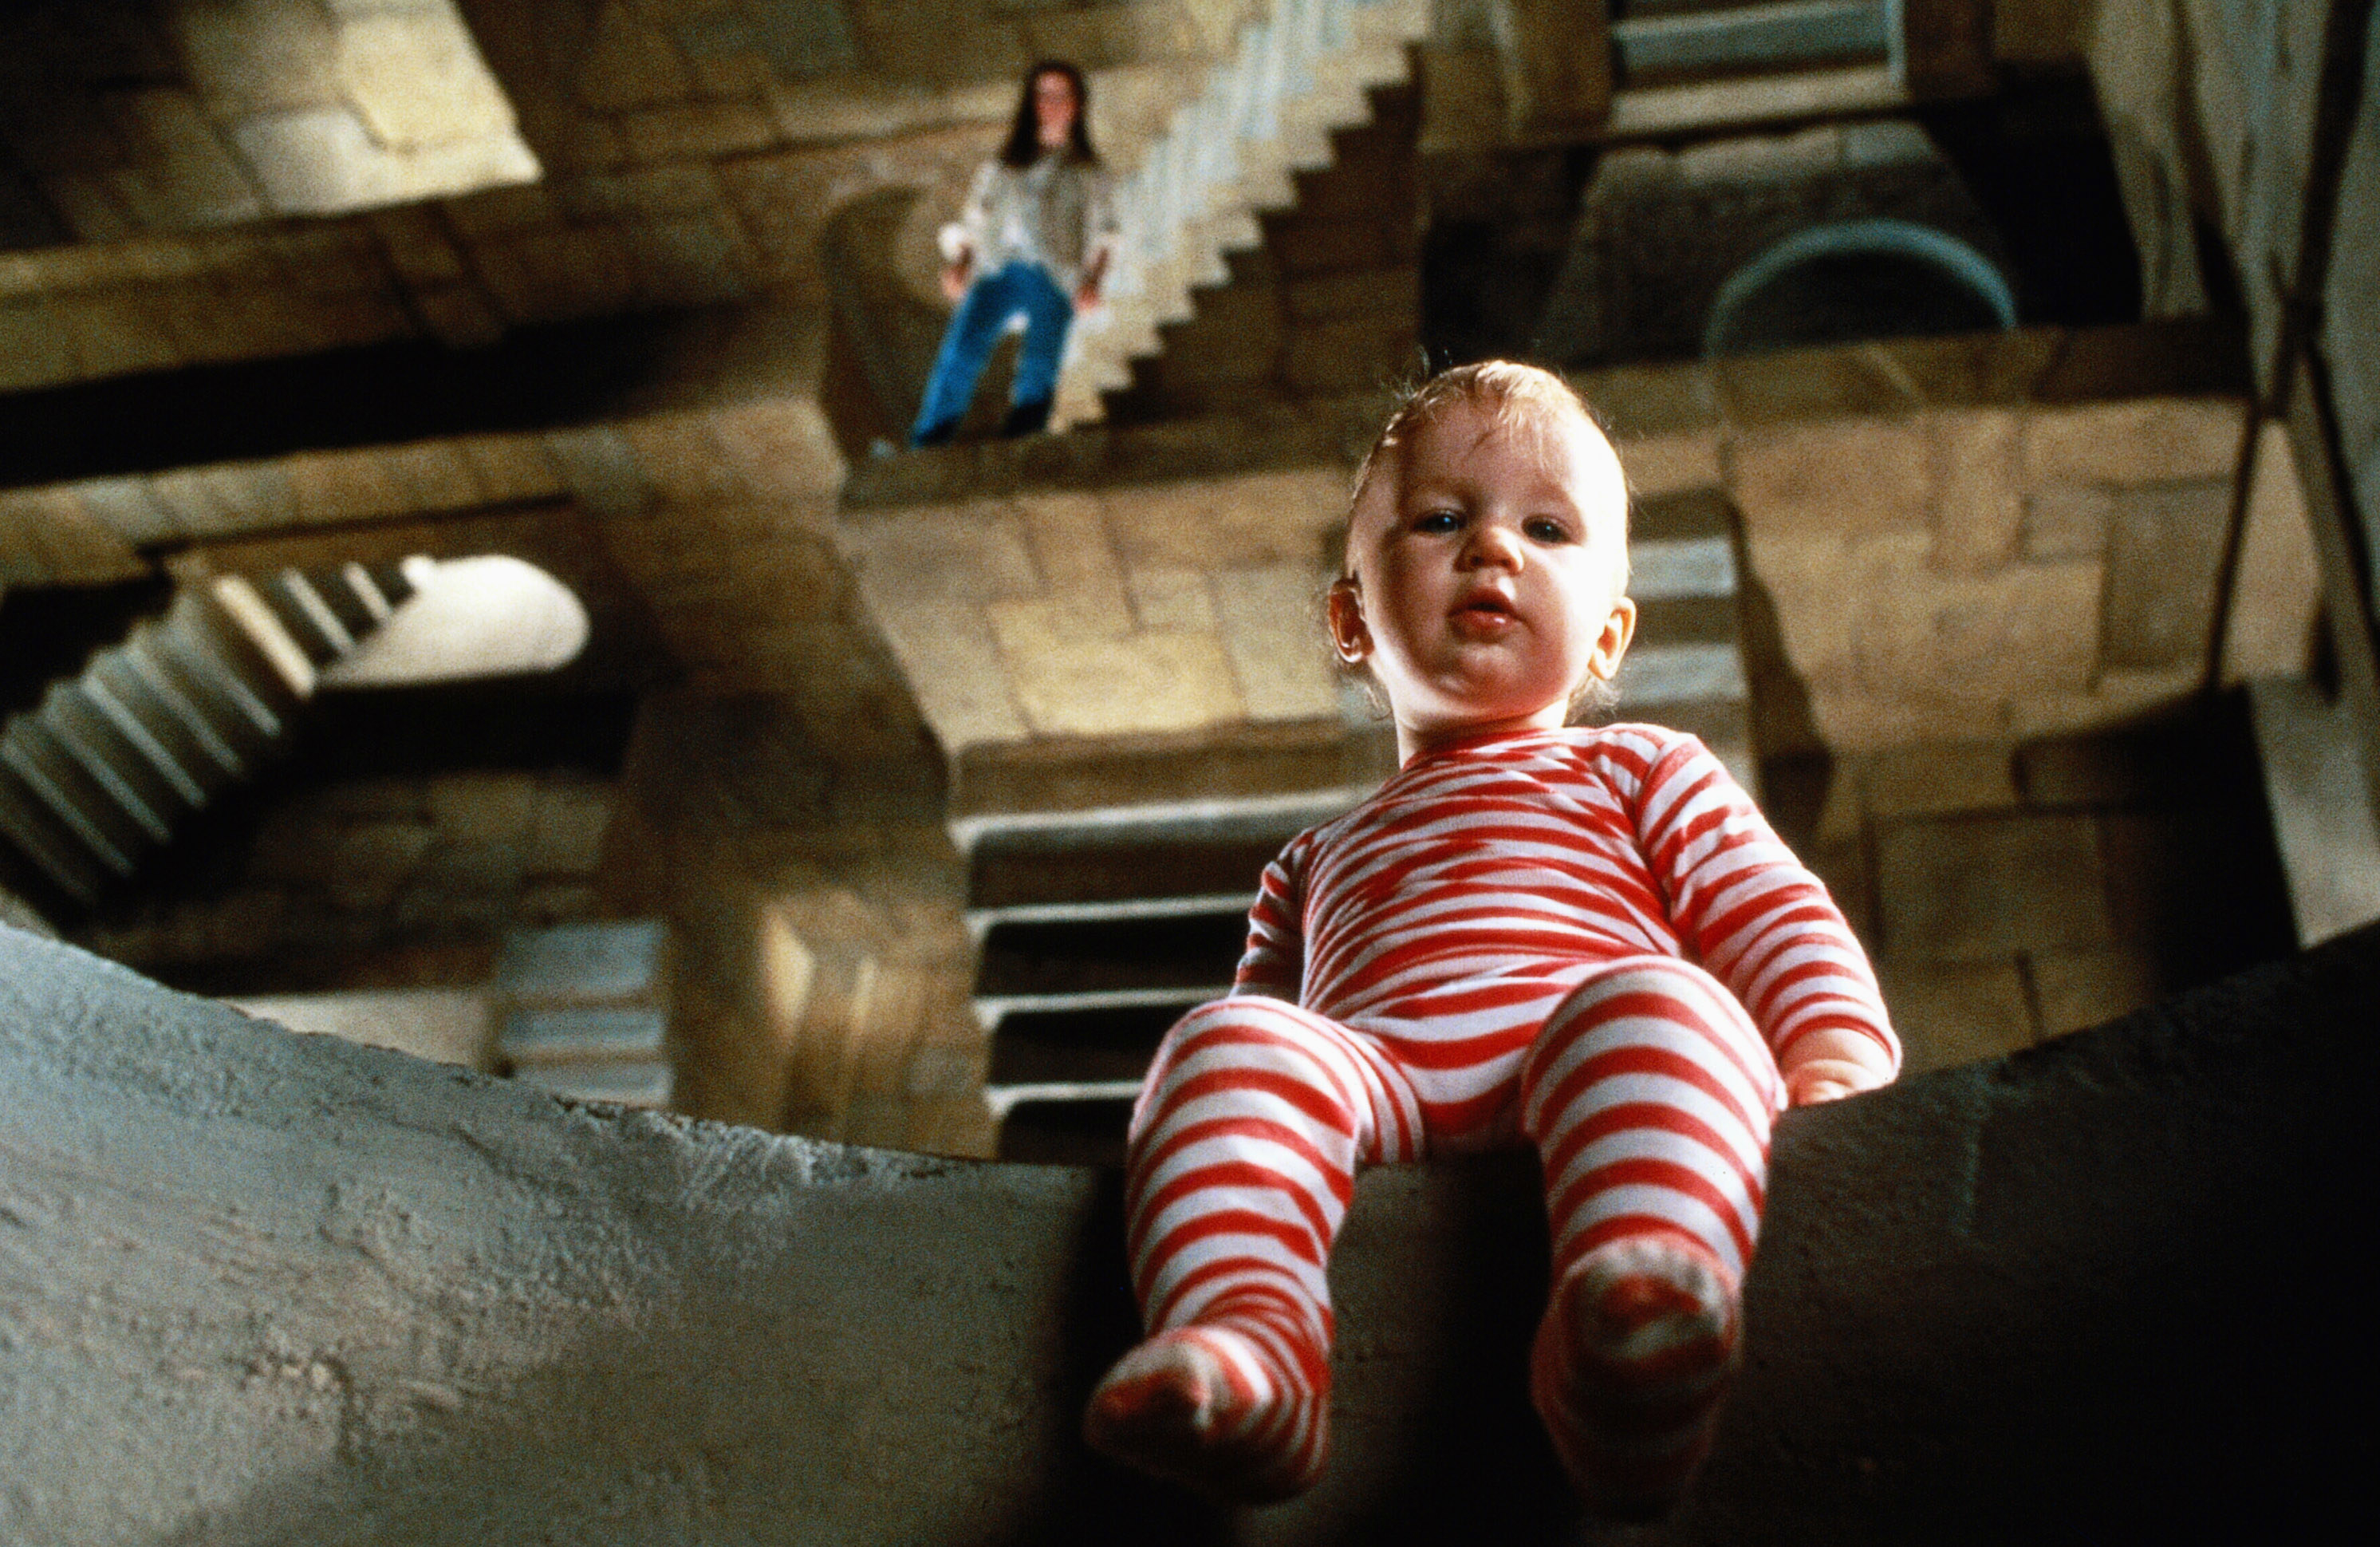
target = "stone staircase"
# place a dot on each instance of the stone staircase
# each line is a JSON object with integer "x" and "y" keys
{"x": 1267, "y": 113}
{"x": 192, "y": 703}
{"x": 1096, "y": 930}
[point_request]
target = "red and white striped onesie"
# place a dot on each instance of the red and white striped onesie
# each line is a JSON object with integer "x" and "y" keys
{"x": 1498, "y": 944}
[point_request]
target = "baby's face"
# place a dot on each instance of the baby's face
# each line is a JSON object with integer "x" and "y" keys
{"x": 1484, "y": 585}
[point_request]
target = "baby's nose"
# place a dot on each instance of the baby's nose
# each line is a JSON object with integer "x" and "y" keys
{"x": 1494, "y": 544}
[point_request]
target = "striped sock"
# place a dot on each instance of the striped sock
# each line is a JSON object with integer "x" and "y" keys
{"x": 1631, "y": 1364}
{"x": 1215, "y": 1409}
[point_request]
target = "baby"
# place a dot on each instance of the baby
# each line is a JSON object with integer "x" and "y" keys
{"x": 1585, "y": 939}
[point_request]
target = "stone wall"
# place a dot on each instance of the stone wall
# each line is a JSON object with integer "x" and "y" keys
{"x": 362, "y": 882}
{"x": 200, "y": 114}
{"x": 1998, "y": 536}
{"x": 264, "y": 1287}
{"x": 2010, "y": 891}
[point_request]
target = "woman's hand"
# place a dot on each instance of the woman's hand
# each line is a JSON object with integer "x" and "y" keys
{"x": 955, "y": 278}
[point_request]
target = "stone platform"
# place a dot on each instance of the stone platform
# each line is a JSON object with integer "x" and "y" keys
{"x": 257, "y": 1287}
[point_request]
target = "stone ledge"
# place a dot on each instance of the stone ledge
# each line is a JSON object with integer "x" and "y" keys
{"x": 269, "y": 1288}
{"x": 1890, "y": 378}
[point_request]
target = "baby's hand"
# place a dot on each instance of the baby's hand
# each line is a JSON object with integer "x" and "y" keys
{"x": 1827, "y": 1079}
{"x": 1828, "y": 1065}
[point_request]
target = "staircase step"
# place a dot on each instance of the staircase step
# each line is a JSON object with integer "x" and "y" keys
{"x": 53, "y": 847}
{"x": 1082, "y": 955}
{"x": 127, "y": 683}
{"x": 1064, "y": 1128}
{"x": 115, "y": 762}
{"x": 236, "y": 729}
{"x": 249, "y": 634}
{"x": 1044, "y": 1046}
{"x": 31, "y": 752}
{"x": 993, "y": 1010}
{"x": 307, "y": 618}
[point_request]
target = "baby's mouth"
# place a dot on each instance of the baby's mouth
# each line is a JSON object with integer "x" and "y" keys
{"x": 1487, "y": 612}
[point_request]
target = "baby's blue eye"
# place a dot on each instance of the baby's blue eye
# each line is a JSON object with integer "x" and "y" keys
{"x": 1439, "y": 520}
{"x": 1541, "y": 529}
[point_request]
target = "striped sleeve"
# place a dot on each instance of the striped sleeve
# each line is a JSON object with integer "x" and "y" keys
{"x": 1749, "y": 912}
{"x": 1274, "y": 963}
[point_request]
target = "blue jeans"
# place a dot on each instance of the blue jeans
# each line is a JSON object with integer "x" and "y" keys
{"x": 992, "y": 303}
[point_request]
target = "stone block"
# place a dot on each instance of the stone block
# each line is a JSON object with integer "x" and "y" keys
{"x": 1365, "y": 293}
{"x": 946, "y": 650}
{"x": 379, "y": 856}
{"x": 949, "y": 557}
{"x": 2080, "y": 989}
{"x": 557, "y": 274}
{"x": 2031, "y": 627}
{"x": 483, "y": 808}
{"x": 192, "y": 178}
{"x": 2066, "y": 522}
{"x": 1072, "y": 553}
{"x": 1358, "y": 355}
{"x": 1977, "y": 511}
{"x": 782, "y": 448}
{"x": 332, "y": 487}
{"x": 1662, "y": 465}
{"x": 1316, "y": 247}
{"x": 2156, "y": 440}
{"x": 1170, "y": 600}
{"x": 1950, "y": 1013}
{"x": 1935, "y": 778}
{"x": 91, "y": 205}
{"x": 474, "y": 869}
{"x": 115, "y": 333}
{"x": 690, "y": 188}
{"x": 127, "y": 508}
{"x": 510, "y": 468}
{"x": 2164, "y": 544}
{"x": 490, "y": 213}
{"x": 1255, "y": 520}
{"x": 313, "y": 161}
{"x": 229, "y": 498}
{"x": 1071, "y": 684}
{"x": 258, "y": 56}
{"x": 1852, "y": 478}
{"x": 628, "y": 63}
{"x": 679, "y": 461}
{"x": 459, "y": 316}
{"x": 75, "y": 547}
{"x": 35, "y": 351}
{"x": 1974, "y": 888}
{"x": 416, "y": 79}
{"x": 601, "y": 469}
{"x": 434, "y": 475}
{"x": 1791, "y": 385}
{"x": 417, "y": 245}
{"x": 1271, "y": 623}
{"x": 698, "y": 131}
{"x": 691, "y": 261}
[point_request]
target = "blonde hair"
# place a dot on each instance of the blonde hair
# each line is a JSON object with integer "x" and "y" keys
{"x": 1514, "y": 399}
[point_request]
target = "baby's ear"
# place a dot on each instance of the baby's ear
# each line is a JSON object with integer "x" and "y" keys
{"x": 1344, "y": 608}
{"x": 1618, "y": 630}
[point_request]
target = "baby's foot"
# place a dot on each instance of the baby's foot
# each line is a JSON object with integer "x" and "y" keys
{"x": 1631, "y": 1364}
{"x": 1207, "y": 1407}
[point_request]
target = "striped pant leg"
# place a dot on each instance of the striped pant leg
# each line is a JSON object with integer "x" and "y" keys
{"x": 1244, "y": 1147}
{"x": 1649, "y": 1095}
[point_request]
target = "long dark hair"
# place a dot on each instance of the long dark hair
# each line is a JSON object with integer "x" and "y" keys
{"x": 1024, "y": 147}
